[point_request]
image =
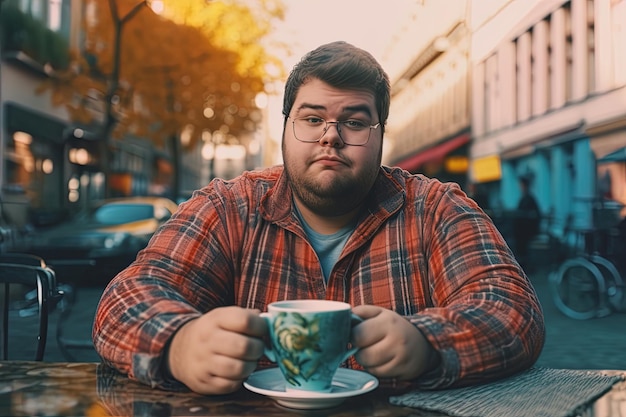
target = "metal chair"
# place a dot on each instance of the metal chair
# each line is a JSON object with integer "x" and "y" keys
{"x": 28, "y": 271}
{"x": 36, "y": 261}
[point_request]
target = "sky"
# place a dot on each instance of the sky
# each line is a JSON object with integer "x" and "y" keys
{"x": 366, "y": 24}
{"x": 308, "y": 24}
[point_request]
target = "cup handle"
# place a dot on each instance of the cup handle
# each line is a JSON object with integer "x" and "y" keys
{"x": 268, "y": 351}
{"x": 354, "y": 320}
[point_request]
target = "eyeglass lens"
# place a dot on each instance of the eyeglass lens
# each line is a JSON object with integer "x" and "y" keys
{"x": 352, "y": 132}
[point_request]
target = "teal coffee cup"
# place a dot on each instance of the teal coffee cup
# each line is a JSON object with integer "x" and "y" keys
{"x": 309, "y": 339}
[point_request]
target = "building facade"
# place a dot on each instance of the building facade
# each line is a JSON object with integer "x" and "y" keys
{"x": 495, "y": 90}
{"x": 429, "y": 124}
{"x": 51, "y": 167}
{"x": 34, "y": 34}
{"x": 549, "y": 102}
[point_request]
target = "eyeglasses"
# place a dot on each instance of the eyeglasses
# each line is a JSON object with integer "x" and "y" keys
{"x": 312, "y": 129}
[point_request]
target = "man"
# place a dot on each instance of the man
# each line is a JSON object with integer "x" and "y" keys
{"x": 443, "y": 300}
{"x": 526, "y": 223}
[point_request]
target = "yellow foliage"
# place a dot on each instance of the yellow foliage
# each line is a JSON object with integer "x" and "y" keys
{"x": 231, "y": 25}
{"x": 197, "y": 59}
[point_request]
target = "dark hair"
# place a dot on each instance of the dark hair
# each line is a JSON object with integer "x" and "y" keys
{"x": 345, "y": 66}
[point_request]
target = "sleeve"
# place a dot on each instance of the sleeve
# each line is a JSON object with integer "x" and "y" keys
{"x": 182, "y": 273}
{"x": 486, "y": 321}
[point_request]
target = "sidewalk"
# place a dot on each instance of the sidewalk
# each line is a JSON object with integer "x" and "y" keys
{"x": 78, "y": 326}
{"x": 579, "y": 344}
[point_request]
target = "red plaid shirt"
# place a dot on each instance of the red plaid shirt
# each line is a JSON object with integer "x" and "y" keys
{"x": 421, "y": 248}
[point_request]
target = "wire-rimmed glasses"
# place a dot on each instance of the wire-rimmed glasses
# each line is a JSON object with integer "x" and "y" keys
{"x": 353, "y": 132}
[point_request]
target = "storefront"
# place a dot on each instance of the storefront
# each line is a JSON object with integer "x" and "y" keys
{"x": 34, "y": 166}
{"x": 608, "y": 145}
{"x": 446, "y": 161}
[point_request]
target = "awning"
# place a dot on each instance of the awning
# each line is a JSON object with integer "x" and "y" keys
{"x": 617, "y": 156}
{"x": 434, "y": 154}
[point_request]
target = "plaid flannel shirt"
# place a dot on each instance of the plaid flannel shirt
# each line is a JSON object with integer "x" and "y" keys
{"x": 421, "y": 248}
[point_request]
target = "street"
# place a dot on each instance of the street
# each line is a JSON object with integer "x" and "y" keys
{"x": 573, "y": 344}
{"x": 580, "y": 344}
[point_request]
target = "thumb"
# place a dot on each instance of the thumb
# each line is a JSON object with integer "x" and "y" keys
{"x": 367, "y": 311}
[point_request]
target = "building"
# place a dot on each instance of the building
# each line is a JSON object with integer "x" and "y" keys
{"x": 429, "y": 124}
{"x": 34, "y": 38}
{"x": 549, "y": 101}
{"x": 499, "y": 89}
{"x": 51, "y": 166}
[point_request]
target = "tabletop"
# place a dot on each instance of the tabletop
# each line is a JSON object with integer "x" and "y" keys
{"x": 93, "y": 389}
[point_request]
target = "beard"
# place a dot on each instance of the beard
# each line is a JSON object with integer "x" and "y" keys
{"x": 330, "y": 198}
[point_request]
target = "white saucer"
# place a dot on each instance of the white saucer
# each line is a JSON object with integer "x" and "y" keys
{"x": 346, "y": 383}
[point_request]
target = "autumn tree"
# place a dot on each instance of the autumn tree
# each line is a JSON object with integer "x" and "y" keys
{"x": 154, "y": 75}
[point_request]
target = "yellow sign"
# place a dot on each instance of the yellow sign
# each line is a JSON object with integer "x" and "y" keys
{"x": 487, "y": 169}
{"x": 456, "y": 164}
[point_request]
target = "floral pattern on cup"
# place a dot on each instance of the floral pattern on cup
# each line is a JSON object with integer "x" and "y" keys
{"x": 309, "y": 339}
{"x": 297, "y": 339}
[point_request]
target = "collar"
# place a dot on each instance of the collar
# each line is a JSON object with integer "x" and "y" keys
{"x": 386, "y": 197}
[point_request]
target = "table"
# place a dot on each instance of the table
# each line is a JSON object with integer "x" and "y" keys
{"x": 92, "y": 389}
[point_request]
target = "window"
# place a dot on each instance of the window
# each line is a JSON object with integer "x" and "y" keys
{"x": 54, "y": 13}
{"x": 569, "y": 54}
{"x": 618, "y": 16}
{"x": 523, "y": 76}
{"x": 491, "y": 93}
{"x": 113, "y": 214}
{"x": 540, "y": 79}
{"x": 591, "y": 49}
{"x": 557, "y": 59}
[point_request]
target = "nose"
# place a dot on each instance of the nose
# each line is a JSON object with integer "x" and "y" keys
{"x": 332, "y": 137}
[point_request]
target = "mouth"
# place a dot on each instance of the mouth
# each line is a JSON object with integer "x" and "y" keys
{"x": 329, "y": 160}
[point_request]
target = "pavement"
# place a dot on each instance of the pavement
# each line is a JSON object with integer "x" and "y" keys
{"x": 598, "y": 343}
{"x": 573, "y": 344}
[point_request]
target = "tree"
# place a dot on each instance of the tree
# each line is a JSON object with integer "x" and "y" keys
{"x": 236, "y": 26}
{"x": 148, "y": 75}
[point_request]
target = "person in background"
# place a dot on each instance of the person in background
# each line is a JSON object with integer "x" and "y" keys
{"x": 526, "y": 223}
{"x": 443, "y": 300}
{"x": 480, "y": 196}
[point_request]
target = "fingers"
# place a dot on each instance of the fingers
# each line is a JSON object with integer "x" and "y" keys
{"x": 235, "y": 332}
{"x": 390, "y": 346}
{"x": 239, "y": 320}
{"x": 371, "y": 330}
{"x": 235, "y": 345}
{"x": 367, "y": 311}
{"x": 222, "y": 375}
{"x": 214, "y": 353}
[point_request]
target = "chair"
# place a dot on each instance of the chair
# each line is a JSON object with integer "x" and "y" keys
{"x": 32, "y": 260}
{"x": 31, "y": 272}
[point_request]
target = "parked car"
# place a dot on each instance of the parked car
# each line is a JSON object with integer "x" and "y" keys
{"x": 97, "y": 243}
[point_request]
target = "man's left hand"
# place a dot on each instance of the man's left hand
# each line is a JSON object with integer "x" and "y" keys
{"x": 390, "y": 346}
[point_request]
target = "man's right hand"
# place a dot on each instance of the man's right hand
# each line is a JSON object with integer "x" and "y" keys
{"x": 216, "y": 352}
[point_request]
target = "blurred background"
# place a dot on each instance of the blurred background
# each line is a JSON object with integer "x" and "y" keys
{"x": 104, "y": 101}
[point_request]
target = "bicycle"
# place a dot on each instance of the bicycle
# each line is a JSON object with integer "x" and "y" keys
{"x": 588, "y": 284}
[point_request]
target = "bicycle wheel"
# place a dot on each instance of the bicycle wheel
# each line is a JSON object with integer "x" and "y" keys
{"x": 579, "y": 289}
{"x": 614, "y": 282}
